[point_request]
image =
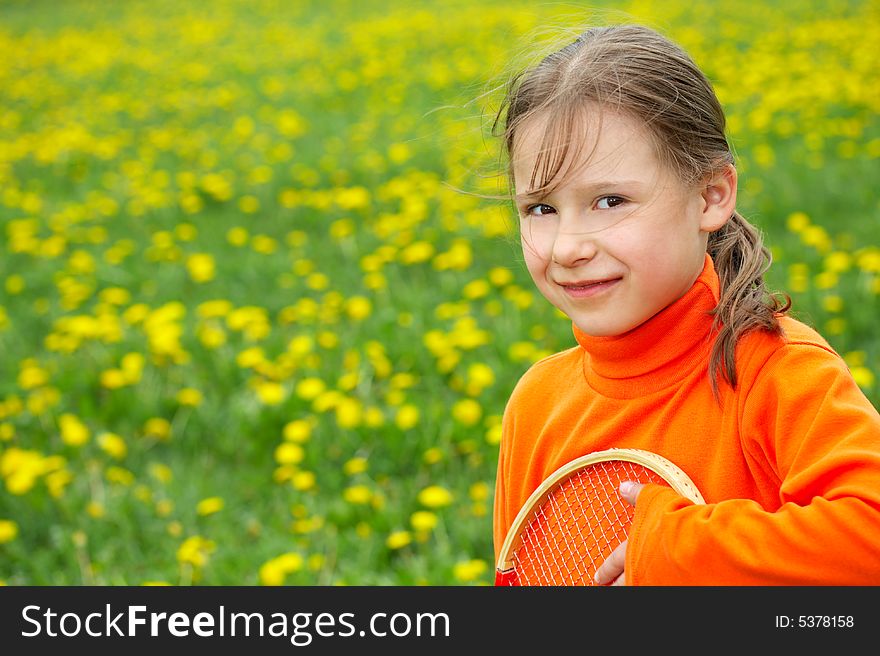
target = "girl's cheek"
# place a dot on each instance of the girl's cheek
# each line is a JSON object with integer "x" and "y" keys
{"x": 537, "y": 245}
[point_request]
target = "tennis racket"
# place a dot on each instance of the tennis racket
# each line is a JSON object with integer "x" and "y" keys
{"x": 573, "y": 521}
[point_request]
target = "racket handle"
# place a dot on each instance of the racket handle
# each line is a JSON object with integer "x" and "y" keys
{"x": 506, "y": 579}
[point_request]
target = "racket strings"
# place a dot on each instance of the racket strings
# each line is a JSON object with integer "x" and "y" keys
{"x": 579, "y": 524}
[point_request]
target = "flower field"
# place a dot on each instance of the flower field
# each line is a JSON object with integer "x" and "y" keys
{"x": 259, "y": 313}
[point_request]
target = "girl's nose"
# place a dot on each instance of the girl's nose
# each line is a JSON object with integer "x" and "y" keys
{"x": 572, "y": 248}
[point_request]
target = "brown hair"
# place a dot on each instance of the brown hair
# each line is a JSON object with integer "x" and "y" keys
{"x": 635, "y": 70}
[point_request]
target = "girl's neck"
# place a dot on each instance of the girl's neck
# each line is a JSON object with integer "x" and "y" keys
{"x": 659, "y": 352}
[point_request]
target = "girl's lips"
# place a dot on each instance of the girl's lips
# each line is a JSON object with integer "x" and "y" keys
{"x": 589, "y": 289}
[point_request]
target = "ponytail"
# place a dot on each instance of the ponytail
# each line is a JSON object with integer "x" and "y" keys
{"x": 741, "y": 259}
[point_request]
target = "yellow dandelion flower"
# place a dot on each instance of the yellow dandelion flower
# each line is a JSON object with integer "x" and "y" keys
{"x": 500, "y": 276}
{"x": 14, "y": 284}
{"x": 423, "y": 520}
{"x": 264, "y": 244}
{"x": 868, "y": 260}
{"x": 467, "y": 411}
{"x": 290, "y": 562}
{"x": 521, "y": 351}
{"x": 73, "y": 431}
{"x": 237, "y": 236}
{"x": 195, "y": 551}
{"x": 399, "y": 152}
{"x": 201, "y": 267}
{"x": 310, "y": 388}
{"x": 349, "y": 413}
{"x": 407, "y": 416}
{"x": 214, "y": 309}
{"x": 57, "y": 481}
{"x": 189, "y": 396}
{"x": 270, "y": 392}
{"x": 417, "y": 252}
{"x": 327, "y": 400}
{"x": 373, "y": 418}
{"x": 435, "y": 496}
{"x": 476, "y": 289}
{"x": 480, "y": 375}
{"x": 283, "y": 473}
{"x": 864, "y": 377}
{"x": 7, "y": 432}
{"x": 432, "y": 456}
{"x": 357, "y": 494}
{"x": 158, "y": 428}
{"x": 306, "y": 525}
{"x": 271, "y": 574}
{"x": 160, "y": 472}
{"x": 119, "y": 475}
{"x": 250, "y": 358}
{"x": 317, "y": 281}
{"x": 797, "y": 221}
{"x": 113, "y": 445}
{"x": 838, "y": 261}
{"x": 358, "y": 308}
{"x": 95, "y": 510}
{"x": 469, "y": 570}
{"x": 275, "y": 570}
{"x": 328, "y": 339}
{"x": 493, "y": 435}
{"x": 479, "y": 491}
{"x": 211, "y": 337}
{"x": 303, "y": 480}
{"x": 375, "y": 281}
{"x": 32, "y": 376}
{"x": 836, "y": 326}
{"x": 8, "y": 530}
{"x": 249, "y": 204}
{"x": 209, "y": 506}
{"x": 289, "y": 453}
{"x": 298, "y": 430}
{"x": 113, "y": 379}
{"x": 341, "y": 229}
{"x": 832, "y": 303}
{"x": 398, "y": 539}
{"x": 356, "y": 465}
{"x": 143, "y": 493}
{"x": 174, "y": 529}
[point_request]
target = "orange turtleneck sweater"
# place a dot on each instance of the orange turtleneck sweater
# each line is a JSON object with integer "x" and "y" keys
{"x": 788, "y": 463}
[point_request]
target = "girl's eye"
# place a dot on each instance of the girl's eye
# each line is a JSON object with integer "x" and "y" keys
{"x": 607, "y": 202}
{"x": 539, "y": 210}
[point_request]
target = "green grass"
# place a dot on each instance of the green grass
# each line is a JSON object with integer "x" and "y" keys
{"x": 135, "y": 135}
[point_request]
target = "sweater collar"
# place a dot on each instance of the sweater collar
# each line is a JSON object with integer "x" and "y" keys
{"x": 659, "y": 352}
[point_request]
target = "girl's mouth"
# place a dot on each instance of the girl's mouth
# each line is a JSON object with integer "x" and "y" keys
{"x": 589, "y": 289}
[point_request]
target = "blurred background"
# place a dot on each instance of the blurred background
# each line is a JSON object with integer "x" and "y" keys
{"x": 258, "y": 321}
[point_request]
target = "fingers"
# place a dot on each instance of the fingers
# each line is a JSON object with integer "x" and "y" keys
{"x": 612, "y": 569}
{"x": 630, "y": 490}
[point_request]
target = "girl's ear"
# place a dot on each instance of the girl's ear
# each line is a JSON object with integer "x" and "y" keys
{"x": 719, "y": 199}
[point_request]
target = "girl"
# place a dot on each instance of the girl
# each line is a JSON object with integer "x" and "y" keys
{"x": 626, "y": 192}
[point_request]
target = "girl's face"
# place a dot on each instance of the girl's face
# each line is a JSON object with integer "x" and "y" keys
{"x": 621, "y": 238}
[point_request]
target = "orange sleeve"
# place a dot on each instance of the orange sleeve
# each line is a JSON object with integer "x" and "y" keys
{"x": 803, "y": 419}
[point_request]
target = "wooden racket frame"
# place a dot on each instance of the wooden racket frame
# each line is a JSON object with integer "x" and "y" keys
{"x": 671, "y": 473}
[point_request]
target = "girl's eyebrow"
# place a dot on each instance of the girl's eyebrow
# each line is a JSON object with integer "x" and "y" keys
{"x": 599, "y": 185}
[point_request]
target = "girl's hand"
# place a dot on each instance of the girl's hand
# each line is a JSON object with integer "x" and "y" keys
{"x": 612, "y": 570}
